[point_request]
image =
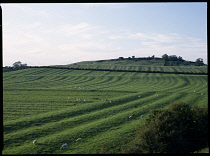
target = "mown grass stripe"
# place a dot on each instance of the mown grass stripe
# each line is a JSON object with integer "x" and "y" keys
{"x": 71, "y": 119}
{"x": 98, "y": 126}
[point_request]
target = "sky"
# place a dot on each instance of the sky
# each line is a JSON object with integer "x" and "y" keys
{"x": 40, "y": 34}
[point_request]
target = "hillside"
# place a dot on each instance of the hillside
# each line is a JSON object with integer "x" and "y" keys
{"x": 57, "y": 106}
{"x": 166, "y": 60}
{"x": 167, "y": 64}
{"x": 149, "y": 66}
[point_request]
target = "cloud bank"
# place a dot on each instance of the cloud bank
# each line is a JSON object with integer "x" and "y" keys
{"x": 39, "y": 41}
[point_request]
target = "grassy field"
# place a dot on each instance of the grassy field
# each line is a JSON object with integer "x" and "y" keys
{"x": 139, "y": 66}
{"x": 57, "y": 106}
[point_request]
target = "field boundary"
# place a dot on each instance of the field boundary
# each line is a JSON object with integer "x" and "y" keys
{"x": 121, "y": 70}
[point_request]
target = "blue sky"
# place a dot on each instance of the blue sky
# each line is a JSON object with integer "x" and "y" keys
{"x": 55, "y": 34}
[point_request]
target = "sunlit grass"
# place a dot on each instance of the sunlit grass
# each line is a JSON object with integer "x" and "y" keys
{"x": 57, "y": 106}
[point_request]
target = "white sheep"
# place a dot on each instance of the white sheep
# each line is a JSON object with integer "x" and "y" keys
{"x": 64, "y": 145}
{"x": 130, "y": 116}
{"x": 79, "y": 139}
{"x": 35, "y": 141}
{"x": 142, "y": 116}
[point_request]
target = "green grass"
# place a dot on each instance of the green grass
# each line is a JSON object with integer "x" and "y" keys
{"x": 205, "y": 150}
{"x": 42, "y": 104}
{"x": 143, "y": 66}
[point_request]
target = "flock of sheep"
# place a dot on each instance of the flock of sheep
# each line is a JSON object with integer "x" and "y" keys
{"x": 62, "y": 146}
{"x": 80, "y": 139}
{"x": 131, "y": 116}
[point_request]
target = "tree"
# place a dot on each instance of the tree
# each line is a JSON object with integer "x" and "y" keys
{"x": 17, "y": 65}
{"x": 180, "y": 58}
{"x": 121, "y": 58}
{"x": 172, "y": 58}
{"x": 165, "y": 57}
{"x": 186, "y": 62}
{"x": 178, "y": 129}
{"x": 23, "y": 66}
{"x": 199, "y": 62}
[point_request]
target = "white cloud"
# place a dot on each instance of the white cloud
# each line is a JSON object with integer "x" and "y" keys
{"x": 79, "y": 31}
{"x": 32, "y": 35}
{"x": 70, "y": 29}
{"x": 84, "y": 41}
{"x": 38, "y": 43}
{"x": 158, "y": 44}
{"x": 89, "y": 47}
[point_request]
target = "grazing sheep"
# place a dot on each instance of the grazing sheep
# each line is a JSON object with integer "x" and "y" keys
{"x": 130, "y": 116}
{"x": 64, "y": 145}
{"x": 79, "y": 139}
{"x": 142, "y": 116}
{"x": 35, "y": 141}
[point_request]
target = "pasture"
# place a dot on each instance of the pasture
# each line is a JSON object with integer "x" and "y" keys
{"x": 57, "y": 106}
{"x": 154, "y": 66}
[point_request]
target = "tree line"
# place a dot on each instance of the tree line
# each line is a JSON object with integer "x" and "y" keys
{"x": 198, "y": 62}
{"x": 170, "y": 60}
{"x": 6, "y": 69}
{"x": 16, "y": 66}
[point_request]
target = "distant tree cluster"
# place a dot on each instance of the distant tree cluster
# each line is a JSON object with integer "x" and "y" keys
{"x": 173, "y": 60}
{"x": 133, "y": 58}
{"x": 18, "y": 65}
{"x": 199, "y": 62}
{"x": 170, "y": 60}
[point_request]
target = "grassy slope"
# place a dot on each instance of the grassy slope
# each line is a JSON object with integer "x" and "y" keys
{"x": 142, "y": 65}
{"x": 43, "y": 104}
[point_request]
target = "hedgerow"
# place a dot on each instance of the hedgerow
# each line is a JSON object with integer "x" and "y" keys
{"x": 178, "y": 129}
